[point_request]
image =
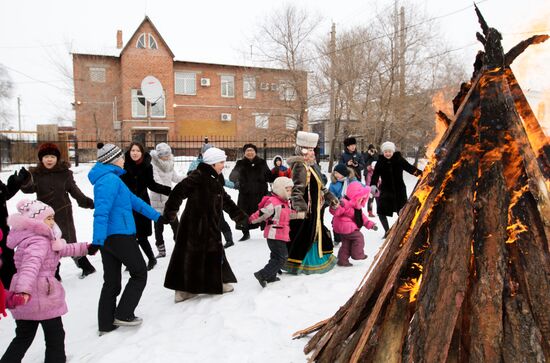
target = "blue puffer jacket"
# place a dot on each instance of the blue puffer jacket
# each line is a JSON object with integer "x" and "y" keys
{"x": 114, "y": 203}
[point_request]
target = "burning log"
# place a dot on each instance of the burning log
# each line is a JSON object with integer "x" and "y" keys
{"x": 464, "y": 274}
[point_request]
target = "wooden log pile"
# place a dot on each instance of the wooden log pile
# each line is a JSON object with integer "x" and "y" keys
{"x": 464, "y": 274}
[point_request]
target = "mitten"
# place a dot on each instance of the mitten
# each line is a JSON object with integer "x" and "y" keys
{"x": 375, "y": 228}
{"x": 92, "y": 249}
{"x": 163, "y": 220}
{"x": 373, "y": 189}
{"x": 23, "y": 175}
{"x": 241, "y": 221}
{"x": 14, "y": 300}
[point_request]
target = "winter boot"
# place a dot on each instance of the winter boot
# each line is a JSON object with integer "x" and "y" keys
{"x": 246, "y": 236}
{"x": 128, "y": 322}
{"x": 260, "y": 279}
{"x": 162, "y": 251}
{"x": 86, "y": 266}
{"x": 275, "y": 279}
{"x": 228, "y": 239}
{"x": 182, "y": 296}
{"x": 152, "y": 262}
{"x": 103, "y": 332}
{"x": 227, "y": 288}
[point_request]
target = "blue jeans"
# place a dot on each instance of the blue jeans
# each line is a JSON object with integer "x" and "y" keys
{"x": 277, "y": 259}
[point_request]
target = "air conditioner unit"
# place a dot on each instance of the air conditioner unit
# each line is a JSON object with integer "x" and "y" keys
{"x": 274, "y": 87}
{"x": 226, "y": 117}
{"x": 264, "y": 86}
{"x": 205, "y": 82}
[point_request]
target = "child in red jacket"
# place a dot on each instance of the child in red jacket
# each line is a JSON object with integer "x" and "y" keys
{"x": 276, "y": 211}
{"x": 347, "y": 222}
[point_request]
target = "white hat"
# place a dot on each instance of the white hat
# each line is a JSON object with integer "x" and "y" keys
{"x": 280, "y": 184}
{"x": 388, "y": 145}
{"x": 306, "y": 139}
{"x": 163, "y": 149}
{"x": 213, "y": 156}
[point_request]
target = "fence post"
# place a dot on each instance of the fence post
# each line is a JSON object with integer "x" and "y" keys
{"x": 265, "y": 148}
{"x": 75, "y": 151}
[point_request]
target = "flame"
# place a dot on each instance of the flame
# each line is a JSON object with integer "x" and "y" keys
{"x": 514, "y": 230}
{"x": 411, "y": 287}
{"x": 441, "y": 101}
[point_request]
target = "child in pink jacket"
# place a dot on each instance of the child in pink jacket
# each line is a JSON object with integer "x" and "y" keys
{"x": 38, "y": 247}
{"x": 348, "y": 220}
{"x": 276, "y": 211}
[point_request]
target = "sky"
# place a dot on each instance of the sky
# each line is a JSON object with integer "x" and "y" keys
{"x": 37, "y": 35}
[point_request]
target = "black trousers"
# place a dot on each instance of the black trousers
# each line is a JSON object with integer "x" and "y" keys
{"x": 277, "y": 258}
{"x": 25, "y": 331}
{"x": 120, "y": 250}
{"x": 159, "y": 230}
{"x": 143, "y": 242}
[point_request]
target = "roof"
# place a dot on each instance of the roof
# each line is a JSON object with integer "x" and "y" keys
{"x": 146, "y": 19}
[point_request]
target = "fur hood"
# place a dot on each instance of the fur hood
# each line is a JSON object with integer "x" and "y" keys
{"x": 60, "y": 167}
{"x": 23, "y": 227}
{"x": 164, "y": 165}
{"x": 355, "y": 192}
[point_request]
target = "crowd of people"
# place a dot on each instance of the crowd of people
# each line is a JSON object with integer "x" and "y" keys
{"x": 133, "y": 188}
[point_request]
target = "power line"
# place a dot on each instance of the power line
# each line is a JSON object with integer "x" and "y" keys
{"x": 34, "y": 79}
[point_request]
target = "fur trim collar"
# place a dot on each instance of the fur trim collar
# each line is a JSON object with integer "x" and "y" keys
{"x": 23, "y": 227}
{"x": 60, "y": 167}
{"x": 164, "y": 165}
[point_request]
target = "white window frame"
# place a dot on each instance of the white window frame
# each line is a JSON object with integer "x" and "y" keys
{"x": 141, "y": 39}
{"x": 261, "y": 120}
{"x": 186, "y": 82}
{"x": 99, "y": 78}
{"x": 137, "y": 106}
{"x": 227, "y": 82}
{"x": 284, "y": 94}
{"x": 291, "y": 122}
{"x": 151, "y": 37}
{"x": 249, "y": 87}
{"x": 163, "y": 100}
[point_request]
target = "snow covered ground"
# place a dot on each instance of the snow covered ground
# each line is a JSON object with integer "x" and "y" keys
{"x": 250, "y": 324}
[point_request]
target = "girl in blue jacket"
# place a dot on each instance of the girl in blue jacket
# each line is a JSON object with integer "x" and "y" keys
{"x": 114, "y": 235}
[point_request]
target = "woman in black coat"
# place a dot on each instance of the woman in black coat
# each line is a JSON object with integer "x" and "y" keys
{"x": 139, "y": 178}
{"x": 393, "y": 192}
{"x": 198, "y": 264}
{"x": 250, "y": 175}
{"x": 7, "y": 267}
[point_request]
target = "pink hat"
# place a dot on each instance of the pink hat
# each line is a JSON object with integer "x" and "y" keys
{"x": 34, "y": 209}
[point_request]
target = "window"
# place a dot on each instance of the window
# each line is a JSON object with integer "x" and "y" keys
{"x": 262, "y": 120}
{"x": 186, "y": 83}
{"x": 152, "y": 42}
{"x": 138, "y": 104}
{"x": 287, "y": 92}
{"x": 158, "y": 109}
{"x": 249, "y": 87}
{"x": 141, "y": 42}
{"x": 228, "y": 86}
{"x": 291, "y": 122}
{"x": 97, "y": 74}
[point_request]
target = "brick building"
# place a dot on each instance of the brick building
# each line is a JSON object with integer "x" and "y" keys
{"x": 200, "y": 99}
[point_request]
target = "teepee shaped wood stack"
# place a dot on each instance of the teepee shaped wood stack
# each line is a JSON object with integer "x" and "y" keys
{"x": 464, "y": 274}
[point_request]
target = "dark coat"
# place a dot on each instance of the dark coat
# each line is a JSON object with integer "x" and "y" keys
{"x": 198, "y": 263}
{"x": 53, "y": 186}
{"x": 358, "y": 162}
{"x": 138, "y": 178}
{"x": 251, "y": 178}
{"x": 7, "y": 270}
{"x": 393, "y": 193}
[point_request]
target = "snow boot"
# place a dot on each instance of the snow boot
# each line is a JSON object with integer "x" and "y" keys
{"x": 182, "y": 296}
{"x": 228, "y": 236}
{"x": 227, "y": 288}
{"x": 128, "y": 322}
{"x": 246, "y": 236}
{"x": 260, "y": 279}
{"x": 103, "y": 332}
{"x": 162, "y": 251}
{"x": 152, "y": 262}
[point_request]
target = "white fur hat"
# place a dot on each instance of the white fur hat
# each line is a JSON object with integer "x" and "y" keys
{"x": 307, "y": 139}
{"x": 279, "y": 186}
{"x": 388, "y": 145}
{"x": 213, "y": 156}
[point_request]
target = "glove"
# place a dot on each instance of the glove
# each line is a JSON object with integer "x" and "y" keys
{"x": 163, "y": 220}
{"x": 373, "y": 189}
{"x": 92, "y": 249}
{"x": 242, "y": 221}
{"x": 14, "y": 300}
{"x": 23, "y": 175}
{"x": 375, "y": 228}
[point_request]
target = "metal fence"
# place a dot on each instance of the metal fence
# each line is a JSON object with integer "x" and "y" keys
{"x": 25, "y": 151}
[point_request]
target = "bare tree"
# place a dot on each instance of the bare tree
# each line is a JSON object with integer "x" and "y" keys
{"x": 6, "y": 93}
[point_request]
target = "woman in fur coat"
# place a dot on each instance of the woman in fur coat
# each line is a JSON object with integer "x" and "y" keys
{"x": 162, "y": 160}
{"x": 52, "y": 181}
{"x": 198, "y": 264}
{"x": 310, "y": 248}
{"x": 138, "y": 178}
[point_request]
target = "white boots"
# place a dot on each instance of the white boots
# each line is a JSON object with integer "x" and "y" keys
{"x": 182, "y": 296}
{"x": 227, "y": 288}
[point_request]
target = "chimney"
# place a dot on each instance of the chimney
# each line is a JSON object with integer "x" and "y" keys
{"x": 119, "y": 39}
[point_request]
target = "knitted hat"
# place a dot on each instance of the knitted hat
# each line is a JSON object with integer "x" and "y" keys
{"x": 388, "y": 145}
{"x": 163, "y": 149}
{"x": 206, "y": 147}
{"x": 107, "y": 153}
{"x": 48, "y": 149}
{"x": 350, "y": 141}
{"x": 250, "y": 146}
{"x": 213, "y": 156}
{"x": 279, "y": 186}
{"x": 342, "y": 169}
{"x": 34, "y": 209}
{"x": 371, "y": 147}
{"x": 306, "y": 139}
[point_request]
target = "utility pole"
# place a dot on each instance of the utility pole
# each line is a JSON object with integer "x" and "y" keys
{"x": 333, "y": 126}
{"x": 19, "y": 115}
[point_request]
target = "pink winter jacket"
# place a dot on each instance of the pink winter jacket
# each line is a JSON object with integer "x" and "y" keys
{"x": 343, "y": 221}
{"x": 36, "y": 262}
{"x": 277, "y": 214}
